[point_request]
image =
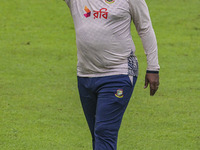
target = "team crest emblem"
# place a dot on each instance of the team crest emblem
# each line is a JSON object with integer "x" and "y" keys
{"x": 119, "y": 93}
{"x": 109, "y": 1}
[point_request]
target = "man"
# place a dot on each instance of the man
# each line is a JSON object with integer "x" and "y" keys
{"x": 107, "y": 67}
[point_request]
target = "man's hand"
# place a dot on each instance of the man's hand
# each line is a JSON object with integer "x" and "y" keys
{"x": 153, "y": 80}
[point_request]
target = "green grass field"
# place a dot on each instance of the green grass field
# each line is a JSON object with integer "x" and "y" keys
{"x": 39, "y": 102}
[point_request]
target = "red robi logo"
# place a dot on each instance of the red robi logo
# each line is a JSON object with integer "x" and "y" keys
{"x": 102, "y": 13}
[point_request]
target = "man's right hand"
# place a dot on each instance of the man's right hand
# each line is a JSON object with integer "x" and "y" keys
{"x": 153, "y": 80}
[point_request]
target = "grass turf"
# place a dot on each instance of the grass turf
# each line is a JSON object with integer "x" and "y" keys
{"x": 39, "y": 103}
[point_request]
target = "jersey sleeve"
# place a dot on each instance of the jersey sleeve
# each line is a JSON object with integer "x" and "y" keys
{"x": 141, "y": 19}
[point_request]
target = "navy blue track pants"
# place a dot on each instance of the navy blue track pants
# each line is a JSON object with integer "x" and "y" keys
{"x": 104, "y": 100}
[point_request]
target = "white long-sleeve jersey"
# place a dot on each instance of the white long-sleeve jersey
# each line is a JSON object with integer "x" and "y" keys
{"x": 103, "y": 37}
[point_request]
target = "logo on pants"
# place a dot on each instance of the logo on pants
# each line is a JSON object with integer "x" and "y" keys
{"x": 119, "y": 93}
